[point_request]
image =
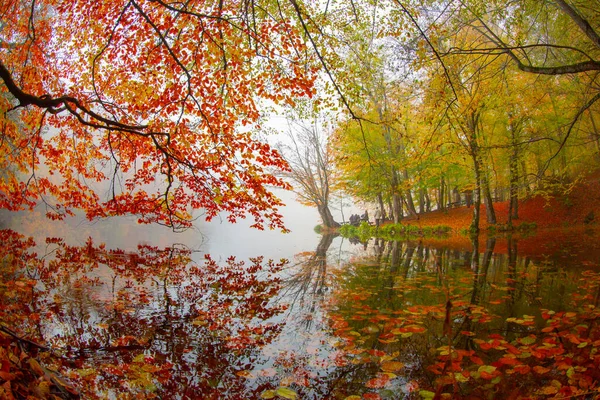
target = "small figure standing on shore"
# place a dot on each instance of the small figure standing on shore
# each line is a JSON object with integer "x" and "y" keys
{"x": 377, "y": 217}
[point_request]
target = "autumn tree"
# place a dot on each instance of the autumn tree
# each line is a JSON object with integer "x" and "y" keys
{"x": 309, "y": 156}
{"x": 154, "y": 100}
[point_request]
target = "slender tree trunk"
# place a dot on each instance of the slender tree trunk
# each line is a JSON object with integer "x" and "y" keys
{"x": 441, "y": 202}
{"x": 489, "y": 202}
{"x": 381, "y": 207}
{"x": 513, "y": 207}
{"x": 421, "y": 200}
{"x": 477, "y": 201}
{"x": 513, "y": 166}
{"x": 475, "y": 156}
{"x": 525, "y": 179}
{"x": 410, "y": 204}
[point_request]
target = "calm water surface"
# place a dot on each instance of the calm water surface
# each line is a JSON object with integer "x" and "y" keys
{"x": 131, "y": 310}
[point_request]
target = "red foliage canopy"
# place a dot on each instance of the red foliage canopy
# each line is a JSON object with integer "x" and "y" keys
{"x": 144, "y": 107}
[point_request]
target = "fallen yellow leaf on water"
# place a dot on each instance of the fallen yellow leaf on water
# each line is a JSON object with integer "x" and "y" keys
{"x": 391, "y": 366}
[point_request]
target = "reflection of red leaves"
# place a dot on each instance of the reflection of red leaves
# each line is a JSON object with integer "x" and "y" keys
{"x": 522, "y": 369}
{"x": 477, "y": 360}
{"x": 339, "y": 324}
{"x": 371, "y": 396}
{"x": 376, "y": 353}
{"x": 509, "y": 361}
{"x": 378, "y": 382}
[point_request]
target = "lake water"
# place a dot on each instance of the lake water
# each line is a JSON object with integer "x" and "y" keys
{"x": 133, "y": 311}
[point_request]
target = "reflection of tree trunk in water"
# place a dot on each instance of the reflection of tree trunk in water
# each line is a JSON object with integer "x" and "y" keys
{"x": 408, "y": 257}
{"x": 323, "y": 246}
{"x": 479, "y": 278}
{"x": 319, "y": 260}
{"x": 309, "y": 283}
{"x": 378, "y": 246}
{"x": 419, "y": 257}
{"x": 475, "y": 253}
{"x": 395, "y": 256}
{"x": 480, "y": 275}
{"x": 441, "y": 260}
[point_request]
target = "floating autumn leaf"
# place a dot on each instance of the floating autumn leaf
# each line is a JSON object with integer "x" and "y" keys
{"x": 268, "y": 394}
{"x": 540, "y": 370}
{"x": 426, "y": 394}
{"x": 487, "y": 371}
{"x": 527, "y": 340}
{"x": 548, "y": 390}
{"x": 286, "y": 393}
{"x": 509, "y": 361}
{"x": 462, "y": 376}
{"x": 371, "y": 396}
{"x": 380, "y": 381}
{"x": 391, "y": 366}
{"x": 246, "y": 374}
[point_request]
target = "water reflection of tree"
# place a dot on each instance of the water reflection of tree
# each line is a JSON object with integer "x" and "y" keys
{"x": 149, "y": 322}
{"x": 306, "y": 286}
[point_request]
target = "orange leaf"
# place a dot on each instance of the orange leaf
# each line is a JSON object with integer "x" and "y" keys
{"x": 540, "y": 370}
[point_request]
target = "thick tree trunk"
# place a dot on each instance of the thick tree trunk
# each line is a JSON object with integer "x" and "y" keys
{"x": 427, "y": 202}
{"x": 326, "y": 217}
{"x": 397, "y": 207}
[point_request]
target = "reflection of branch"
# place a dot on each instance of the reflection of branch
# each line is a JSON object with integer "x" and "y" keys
{"x": 22, "y": 339}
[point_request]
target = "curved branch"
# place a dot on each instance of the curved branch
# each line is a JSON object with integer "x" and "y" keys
{"x": 57, "y": 104}
{"x": 576, "y": 68}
